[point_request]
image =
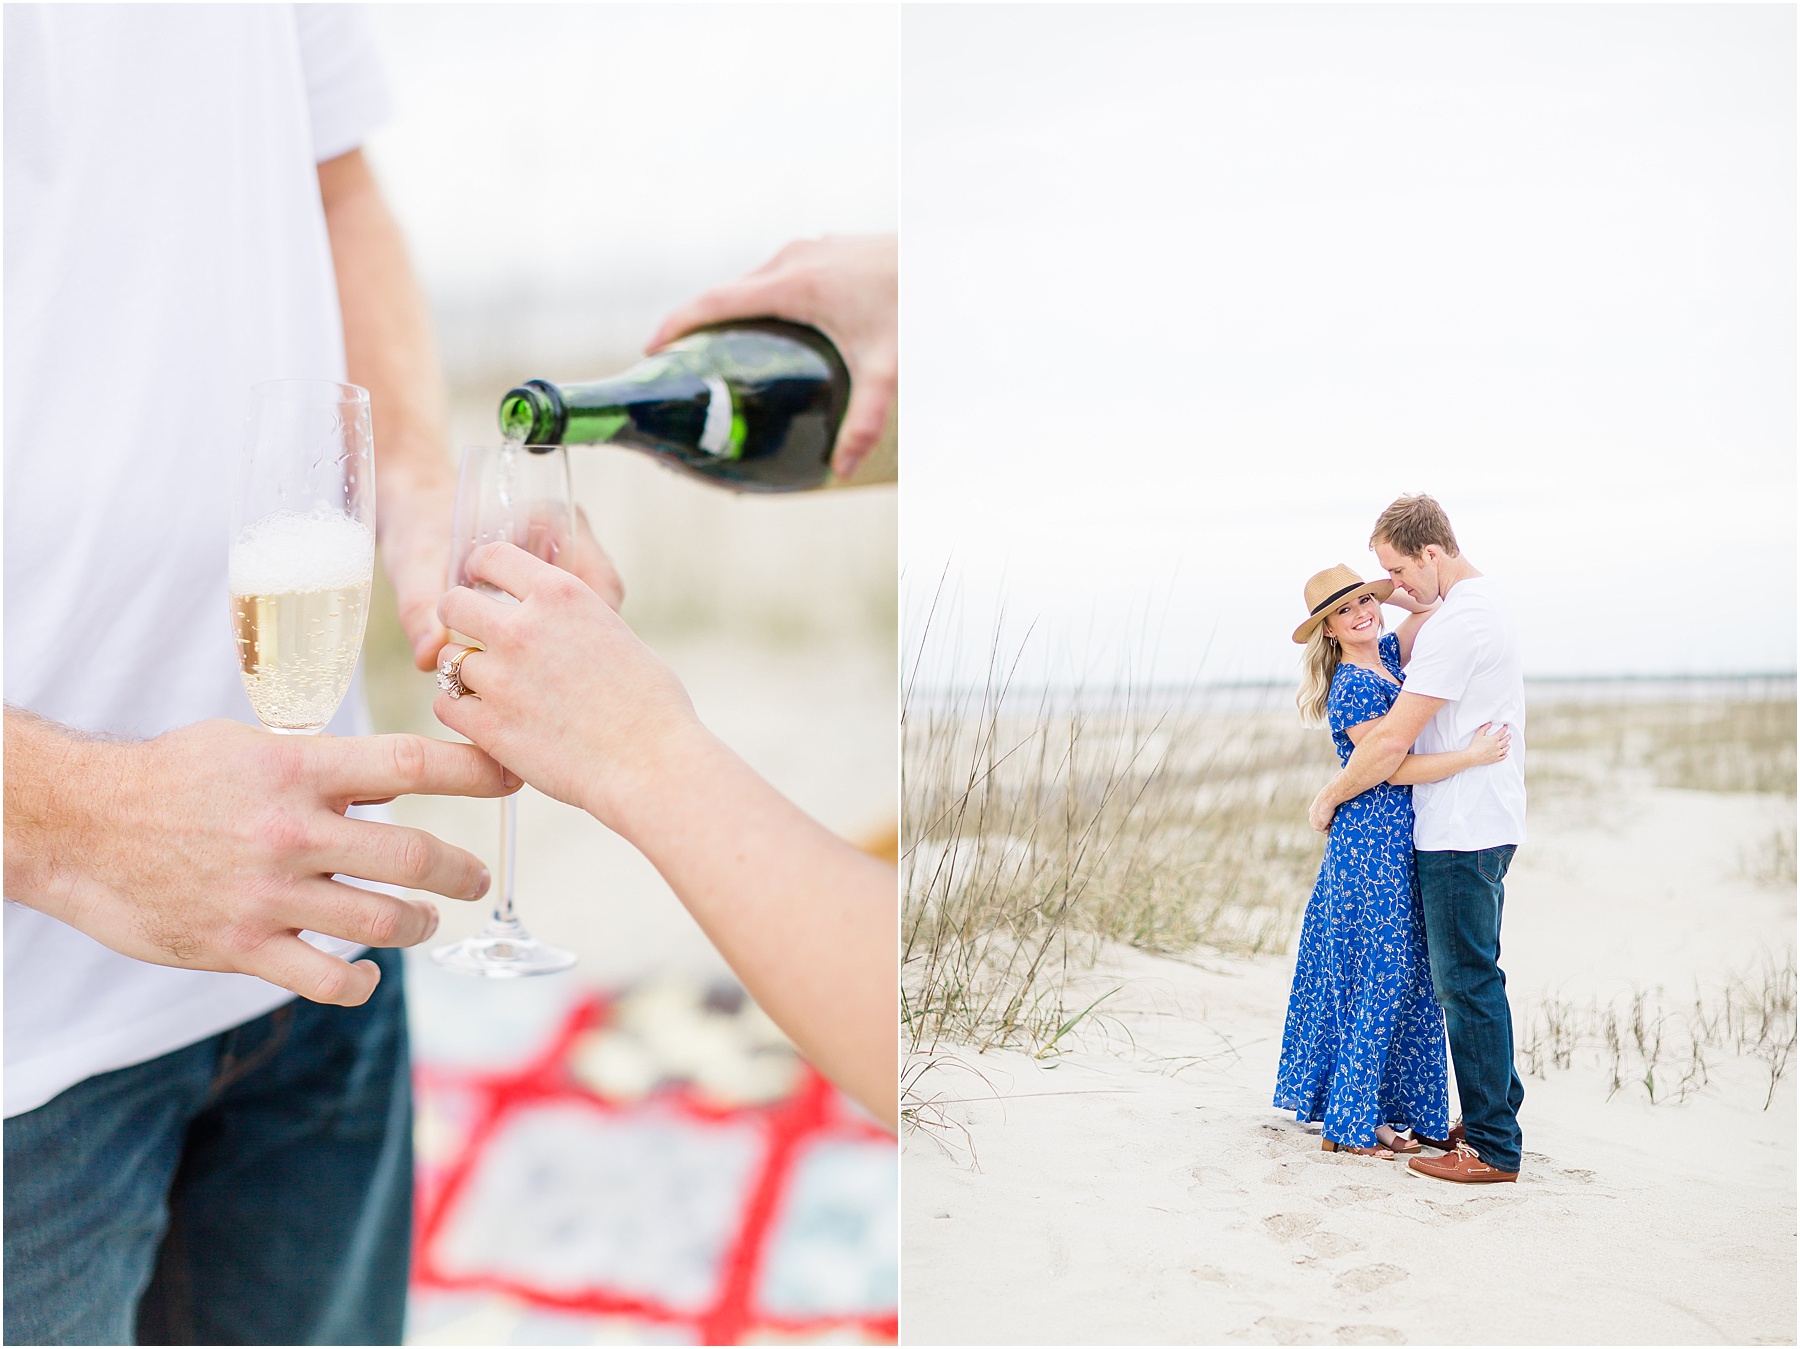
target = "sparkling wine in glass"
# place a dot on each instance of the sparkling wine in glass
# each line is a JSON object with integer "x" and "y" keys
{"x": 302, "y": 549}
{"x": 518, "y": 494}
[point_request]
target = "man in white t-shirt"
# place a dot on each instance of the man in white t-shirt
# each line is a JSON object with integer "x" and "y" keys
{"x": 1465, "y": 671}
{"x": 193, "y": 1155}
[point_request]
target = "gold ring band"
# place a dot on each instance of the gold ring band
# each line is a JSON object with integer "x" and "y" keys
{"x": 449, "y": 675}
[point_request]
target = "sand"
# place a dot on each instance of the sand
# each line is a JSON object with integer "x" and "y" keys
{"x": 1140, "y": 1189}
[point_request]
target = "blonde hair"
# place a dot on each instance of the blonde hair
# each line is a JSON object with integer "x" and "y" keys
{"x": 1318, "y": 664}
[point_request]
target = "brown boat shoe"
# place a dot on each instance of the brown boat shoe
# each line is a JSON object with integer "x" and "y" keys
{"x": 1463, "y": 1166}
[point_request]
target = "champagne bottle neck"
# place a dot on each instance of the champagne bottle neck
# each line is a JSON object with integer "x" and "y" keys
{"x": 596, "y": 411}
{"x": 533, "y": 414}
{"x": 754, "y": 405}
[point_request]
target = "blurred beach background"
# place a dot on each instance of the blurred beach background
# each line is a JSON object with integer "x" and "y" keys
{"x": 1191, "y": 293}
{"x": 630, "y": 1153}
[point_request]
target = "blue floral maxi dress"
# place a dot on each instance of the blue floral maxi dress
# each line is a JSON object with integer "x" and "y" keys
{"x": 1364, "y": 1043}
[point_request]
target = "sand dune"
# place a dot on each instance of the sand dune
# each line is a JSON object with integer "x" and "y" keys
{"x": 1141, "y": 1190}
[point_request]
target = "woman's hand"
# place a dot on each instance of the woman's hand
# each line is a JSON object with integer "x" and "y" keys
{"x": 567, "y": 698}
{"x": 1489, "y": 744}
{"x": 415, "y": 549}
{"x": 565, "y": 695}
{"x": 1401, "y": 600}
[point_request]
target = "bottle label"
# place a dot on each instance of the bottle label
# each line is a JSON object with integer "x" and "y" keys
{"x": 715, "y": 437}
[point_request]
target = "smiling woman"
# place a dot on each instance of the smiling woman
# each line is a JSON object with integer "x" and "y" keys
{"x": 1364, "y": 1045}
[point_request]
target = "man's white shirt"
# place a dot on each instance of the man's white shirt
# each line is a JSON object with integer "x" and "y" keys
{"x": 165, "y": 250}
{"x": 1468, "y": 654}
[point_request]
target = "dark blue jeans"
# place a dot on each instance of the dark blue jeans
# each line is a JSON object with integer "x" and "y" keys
{"x": 254, "y": 1188}
{"x": 1464, "y": 895}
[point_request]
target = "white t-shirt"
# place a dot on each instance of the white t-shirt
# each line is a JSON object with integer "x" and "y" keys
{"x": 1468, "y": 653}
{"x": 165, "y": 250}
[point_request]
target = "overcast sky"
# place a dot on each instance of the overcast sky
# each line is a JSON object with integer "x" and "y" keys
{"x": 598, "y": 164}
{"x": 1190, "y": 293}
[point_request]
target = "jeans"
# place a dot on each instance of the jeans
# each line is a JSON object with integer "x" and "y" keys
{"x": 253, "y": 1188}
{"x": 1464, "y": 896}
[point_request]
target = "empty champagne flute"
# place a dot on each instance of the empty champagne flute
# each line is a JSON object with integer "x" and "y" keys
{"x": 516, "y": 494}
{"x": 302, "y": 549}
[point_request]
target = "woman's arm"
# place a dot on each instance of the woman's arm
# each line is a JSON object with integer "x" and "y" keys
{"x": 1488, "y": 745}
{"x": 1416, "y": 614}
{"x": 570, "y": 700}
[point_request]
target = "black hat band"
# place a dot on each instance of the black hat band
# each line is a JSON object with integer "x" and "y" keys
{"x": 1333, "y": 598}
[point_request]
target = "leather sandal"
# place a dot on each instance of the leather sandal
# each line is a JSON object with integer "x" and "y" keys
{"x": 1405, "y": 1143}
{"x": 1385, "y": 1154}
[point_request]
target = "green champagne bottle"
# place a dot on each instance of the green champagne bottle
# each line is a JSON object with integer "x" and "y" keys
{"x": 752, "y": 405}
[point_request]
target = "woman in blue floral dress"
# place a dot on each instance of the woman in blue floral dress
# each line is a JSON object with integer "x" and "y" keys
{"x": 1363, "y": 1050}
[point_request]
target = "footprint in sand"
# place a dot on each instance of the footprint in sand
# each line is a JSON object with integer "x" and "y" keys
{"x": 1346, "y": 1195}
{"x": 1368, "y": 1335}
{"x": 1217, "y": 1178}
{"x": 1460, "y": 1211}
{"x": 1538, "y": 1168}
{"x": 1283, "y": 1330}
{"x": 1289, "y": 1172}
{"x": 1289, "y": 1330}
{"x": 1279, "y": 1142}
{"x": 1330, "y": 1245}
{"x": 1369, "y": 1278}
{"x": 1290, "y": 1226}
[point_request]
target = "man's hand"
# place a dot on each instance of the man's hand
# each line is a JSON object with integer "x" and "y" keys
{"x": 212, "y": 847}
{"x": 389, "y": 351}
{"x": 846, "y": 286}
{"x": 1324, "y": 808}
{"x": 415, "y": 547}
{"x": 415, "y": 553}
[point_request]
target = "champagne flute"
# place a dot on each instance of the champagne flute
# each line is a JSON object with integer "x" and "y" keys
{"x": 302, "y": 549}
{"x": 516, "y": 494}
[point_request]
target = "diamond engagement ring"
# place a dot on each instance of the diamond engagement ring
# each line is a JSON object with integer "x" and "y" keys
{"x": 449, "y": 675}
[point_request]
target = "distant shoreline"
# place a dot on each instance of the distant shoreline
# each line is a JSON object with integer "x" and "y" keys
{"x": 1267, "y": 695}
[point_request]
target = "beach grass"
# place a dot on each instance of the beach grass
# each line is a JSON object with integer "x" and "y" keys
{"x": 1034, "y": 834}
{"x": 1040, "y": 825}
{"x": 1667, "y": 1048}
{"x": 1735, "y": 745}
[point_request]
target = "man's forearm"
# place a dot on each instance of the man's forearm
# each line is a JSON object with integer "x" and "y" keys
{"x": 388, "y": 349}
{"x": 48, "y": 784}
{"x": 388, "y": 345}
{"x": 1373, "y": 761}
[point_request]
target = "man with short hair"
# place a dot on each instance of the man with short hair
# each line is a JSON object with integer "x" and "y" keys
{"x": 1465, "y": 671}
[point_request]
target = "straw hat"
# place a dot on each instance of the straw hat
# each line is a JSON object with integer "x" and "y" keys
{"x": 1331, "y": 588}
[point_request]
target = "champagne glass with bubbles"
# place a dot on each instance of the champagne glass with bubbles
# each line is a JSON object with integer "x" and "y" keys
{"x": 516, "y": 494}
{"x": 302, "y": 549}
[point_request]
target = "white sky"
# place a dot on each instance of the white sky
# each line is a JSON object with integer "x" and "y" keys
{"x": 1190, "y": 293}
{"x": 598, "y": 164}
